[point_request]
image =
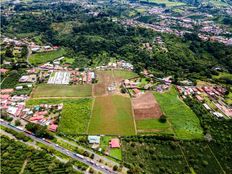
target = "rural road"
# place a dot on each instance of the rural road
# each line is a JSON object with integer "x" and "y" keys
{"x": 64, "y": 151}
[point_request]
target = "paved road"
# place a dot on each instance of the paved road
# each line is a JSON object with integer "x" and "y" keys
{"x": 97, "y": 156}
{"x": 64, "y": 151}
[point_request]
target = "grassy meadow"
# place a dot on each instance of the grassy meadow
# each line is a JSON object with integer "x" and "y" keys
{"x": 74, "y": 116}
{"x": 40, "y": 58}
{"x": 124, "y": 74}
{"x": 166, "y": 2}
{"x": 185, "y": 123}
{"x": 153, "y": 126}
{"x": 48, "y": 90}
{"x": 112, "y": 115}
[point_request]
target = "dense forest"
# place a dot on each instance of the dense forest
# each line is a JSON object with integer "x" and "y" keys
{"x": 95, "y": 40}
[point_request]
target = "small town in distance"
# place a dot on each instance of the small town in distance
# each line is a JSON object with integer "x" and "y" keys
{"x": 116, "y": 87}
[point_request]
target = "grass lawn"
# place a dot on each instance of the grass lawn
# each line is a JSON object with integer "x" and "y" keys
{"x": 40, "y": 58}
{"x": 166, "y": 2}
{"x": 124, "y": 74}
{"x": 116, "y": 153}
{"x": 48, "y": 90}
{"x": 68, "y": 60}
{"x": 223, "y": 75}
{"x": 112, "y": 115}
{"x": 153, "y": 126}
{"x": 74, "y": 116}
{"x": 185, "y": 123}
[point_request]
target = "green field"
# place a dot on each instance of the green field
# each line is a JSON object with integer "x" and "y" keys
{"x": 185, "y": 123}
{"x": 223, "y": 75}
{"x": 153, "y": 126}
{"x": 47, "y": 90}
{"x": 112, "y": 115}
{"x": 75, "y": 114}
{"x": 40, "y": 58}
{"x": 166, "y": 2}
{"x": 124, "y": 74}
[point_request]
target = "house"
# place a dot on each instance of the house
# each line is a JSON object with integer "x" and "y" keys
{"x": 6, "y": 91}
{"x": 3, "y": 71}
{"x": 19, "y": 87}
{"x": 35, "y": 49}
{"x": 28, "y": 78}
{"x": 53, "y": 127}
{"x": 199, "y": 98}
{"x": 94, "y": 139}
{"x": 36, "y": 118}
{"x": 115, "y": 143}
{"x": 206, "y": 106}
{"x": 5, "y": 97}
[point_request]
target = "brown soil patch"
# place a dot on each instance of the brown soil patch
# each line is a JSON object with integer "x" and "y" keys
{"x": 145, "y": 106}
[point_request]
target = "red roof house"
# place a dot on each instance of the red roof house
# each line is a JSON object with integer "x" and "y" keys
{"x": 6, "y": 96}
{"x": 115, "y": 143}
{"x": 4, "y": 91}
{"x": 36, "y": 118}
{"x": 53, "y": 127}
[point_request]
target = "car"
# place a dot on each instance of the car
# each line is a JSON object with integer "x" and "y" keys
{"x": 56, "y": 145}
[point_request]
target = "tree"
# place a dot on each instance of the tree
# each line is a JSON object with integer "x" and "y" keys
{"x": 115, "y": 168}
{"x": 17, "y": 123}
{"x": 24, "y": 51}
{"x": 9, "y": 51}
{"x": 162, "y": 119}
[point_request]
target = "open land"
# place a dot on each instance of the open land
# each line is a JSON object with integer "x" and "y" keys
{"x": 47, "y": 90}
{"x": 145, "y": 106}
{"x": 149, "y": 126}
{"x": 112, "y": 115}
{"x": 75, "y": 114}
{"x": 106, "y": 78}
{"x": 40, "y": 58}
{"x": 184, "y": 122}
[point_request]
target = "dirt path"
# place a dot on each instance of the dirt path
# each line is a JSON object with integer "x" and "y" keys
{"x": 91, "y": 114}
{"x": 133, "y": 115}
{"x": 37, "y": 98}
{"x": 23, "y": 167}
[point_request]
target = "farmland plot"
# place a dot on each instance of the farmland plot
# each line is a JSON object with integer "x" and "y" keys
{"x": 184, "y": 122}
{"x": 48, "y": 90}
{"x": 112, "y": 115}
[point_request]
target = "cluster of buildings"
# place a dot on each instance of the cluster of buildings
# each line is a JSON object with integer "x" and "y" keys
{"x": 44, "y": 114}
{"x": 180, "y": 24}
{"x": 15, "y": 106}
{"x": 212, "y": 98}
{"x": 120, "y": 64}
{"x": 26, "y": 42}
